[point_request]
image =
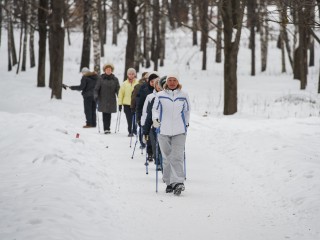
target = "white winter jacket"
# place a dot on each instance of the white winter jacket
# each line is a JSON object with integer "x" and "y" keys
{"x": 172, "y": 109}
{"x": 145, "y": 106}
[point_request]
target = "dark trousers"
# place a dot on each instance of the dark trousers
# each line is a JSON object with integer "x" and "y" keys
{"x": 106, "y": 117}
{"x": 90, "y": 111}
{"x": 129, "y": 117}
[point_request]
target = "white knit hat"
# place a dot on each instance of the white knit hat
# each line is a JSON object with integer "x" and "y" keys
{"x": 173, "y": 75}
{"x": 85, "y": 70}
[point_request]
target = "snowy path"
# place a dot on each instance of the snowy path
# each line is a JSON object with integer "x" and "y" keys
{"x": 246, "y": 179}
{"x": 233, "y": 189}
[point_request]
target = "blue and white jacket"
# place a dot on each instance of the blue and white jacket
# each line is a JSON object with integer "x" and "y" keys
{"x": 172, "y": 109}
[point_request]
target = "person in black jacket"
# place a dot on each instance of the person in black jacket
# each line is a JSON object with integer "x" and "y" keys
{"x": 149, "y": 132}
{"x": 88, "y": 82}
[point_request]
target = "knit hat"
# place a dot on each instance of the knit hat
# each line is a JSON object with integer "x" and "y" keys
{"x": 85, "y": 70}
{"x": 173, "y": 75}
{"x": 162, "y": 81}
{"x": 131, "y": 70}
{"x": 110, "y": 65}
{"x": 153, "y": 75}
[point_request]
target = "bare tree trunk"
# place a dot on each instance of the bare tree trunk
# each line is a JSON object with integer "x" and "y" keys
{"x": 31, "y": 39}
{"x": 86, "y": 43}
{"x": 283, "y": 18}
{"x": 219, "y": 35}
{"x": 252, "y": 24}
{"x": 101, "y": 27}
{"x": 66, "y": 20}
{"x": 194, "y": 23}
{"x": 9, "y": 7}
{"x": 26, "y": 17}
{"x": 203, "y": 8}
{"x": 115, "y": 21}
{"x": 96, "y": 36}
{"x": 264, "y": 34}
{"x": 42, "y": 25}
{"x": 13, "y": 47}
{"x": 0, "y": 21}
{"x": 162, "y": 36}
{"x": 20, "y": 44}
{"x": 311, "y": 57}
{"x": 132, "y": 35}
{"x": 146, "y": 33}
{"x": 57, "y": 42}
{"x": 104, "y": 22}
{"x": 155, "y": 43}
{"x": 232, "y": 15}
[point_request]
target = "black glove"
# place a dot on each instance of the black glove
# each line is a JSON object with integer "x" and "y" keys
{"x": 139, "y": 123}
{"x": 120, "y": 108}
{"x": 64, "y": 86}
{"x": 132, "y": 110}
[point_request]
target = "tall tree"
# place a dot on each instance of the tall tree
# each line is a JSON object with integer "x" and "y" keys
{"x": 42, "y": 25}
{"x": 194, "y": 22}
{"x": 203, "y": 9}
{"x": 86, "y": 43}
{"x": 132, "y": 35}
{"x": 219, "y": 35}
{"x": 57, "y": 47}
{"x": 146, "y": 32}
{"x": 32, "y": 28}
{"x": 26, "y": 17}
{"x": 115, "y": 21}
{"x": 155, "y": 42}
{"x": 0, "y": 21}
{"x": 162, "y": 38}
{"x": 264, "y": 33}
{"x": 232, "y": 15}
{"x": 252, "y": 24}
{"x": 96, "y": 35}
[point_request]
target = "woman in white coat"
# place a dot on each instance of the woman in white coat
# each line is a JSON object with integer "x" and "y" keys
{"x": 170, "y": 114}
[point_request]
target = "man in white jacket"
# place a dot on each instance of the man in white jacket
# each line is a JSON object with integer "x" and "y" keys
{"x": 170, "y": 114}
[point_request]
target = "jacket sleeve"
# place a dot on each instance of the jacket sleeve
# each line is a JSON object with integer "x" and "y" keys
{"x": 82, "y": 85}
{"x": 140, "y": 102}
{"x": 156, "y": 108}
{"x": 187, "y": 109}
{"x": 148, "y": 123}
{"x": 96, "y": 92}
{"x": 117, "y": 86}
{"x": 121, "y": 95}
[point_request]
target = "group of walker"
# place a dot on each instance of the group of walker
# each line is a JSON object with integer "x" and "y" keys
{"x": 156, "y": 106}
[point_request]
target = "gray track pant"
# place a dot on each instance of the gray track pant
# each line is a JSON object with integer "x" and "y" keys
{"x": 172, "y": 149}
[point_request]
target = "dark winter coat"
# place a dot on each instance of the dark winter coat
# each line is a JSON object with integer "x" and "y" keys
{"x": 148, "y": 123}
{"x": 87, "y": 85}
{"x": 106, "y": 92}
{"x": 144, "y": 91}
{"x": 135, "y": 95}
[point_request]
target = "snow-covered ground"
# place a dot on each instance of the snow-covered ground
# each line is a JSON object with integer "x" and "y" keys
{"x": 253, "y": 175}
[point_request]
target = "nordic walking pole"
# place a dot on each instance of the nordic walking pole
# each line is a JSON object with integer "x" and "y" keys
{"x": 184, "y": 163}
{"x": 117, "y": 121}
{"x": 132, "y": 126}
{"x": 134, "y": 149}
{"x": 146, "y": 164}
{"x": 157, "y": 158}
{"x": 98, "y": 119}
